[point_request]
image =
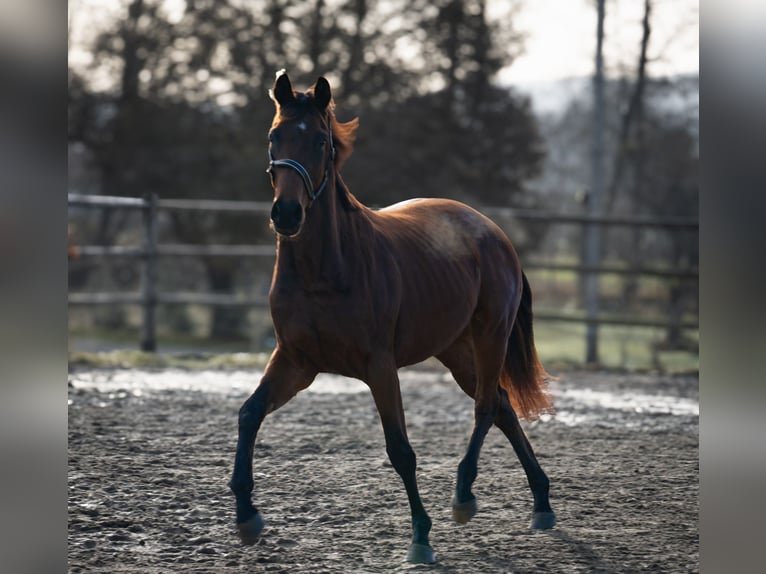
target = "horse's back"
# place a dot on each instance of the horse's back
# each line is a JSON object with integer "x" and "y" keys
{"x": 443, "y": 226}
{"x": 448, "y": 233}
{"x": 451, "y": 258}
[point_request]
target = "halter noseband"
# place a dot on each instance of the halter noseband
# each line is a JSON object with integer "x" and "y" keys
{"x": 291, "y": 163}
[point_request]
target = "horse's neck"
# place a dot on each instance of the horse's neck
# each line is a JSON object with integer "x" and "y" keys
{"x": 317, "y": 256}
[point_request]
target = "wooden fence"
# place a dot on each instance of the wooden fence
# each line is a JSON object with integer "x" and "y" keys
{"x": 149, "y": 296}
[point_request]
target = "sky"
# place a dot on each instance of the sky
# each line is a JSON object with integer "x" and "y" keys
{"x": 561, "y": 38}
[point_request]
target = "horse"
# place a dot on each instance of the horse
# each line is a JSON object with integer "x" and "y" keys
{"x": 361, "y": 292}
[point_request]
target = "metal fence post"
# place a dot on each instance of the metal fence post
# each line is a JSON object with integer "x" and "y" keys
{"x": 149, "y": 275}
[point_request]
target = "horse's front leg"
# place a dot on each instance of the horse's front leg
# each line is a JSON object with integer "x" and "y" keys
{"x": 281, "y": 381}
{"x": 384, "y": 384}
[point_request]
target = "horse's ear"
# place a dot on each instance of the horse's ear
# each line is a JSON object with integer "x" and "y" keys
{"x": 282, "y": 92}
{"x": 322, "y": 93}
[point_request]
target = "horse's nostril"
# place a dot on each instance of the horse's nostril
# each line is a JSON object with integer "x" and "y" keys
{"x": 286, "y": 214}
{"x": 296, "y": 212}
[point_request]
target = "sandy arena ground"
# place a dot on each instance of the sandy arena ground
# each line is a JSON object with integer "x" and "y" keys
{"x": 151, "y": 452}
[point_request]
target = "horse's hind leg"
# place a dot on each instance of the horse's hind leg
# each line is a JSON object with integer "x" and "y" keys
{"x": 507, "y": 421}
{"x": 489, "y": 353}
{"x": 281, "y": 381}
{"x": 384, "y": 385}
{"x": 459, "y": 360}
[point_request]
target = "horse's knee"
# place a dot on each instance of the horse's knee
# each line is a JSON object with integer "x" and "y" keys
{"x": 272, "y": 392}
{"x": 253, "y": 409}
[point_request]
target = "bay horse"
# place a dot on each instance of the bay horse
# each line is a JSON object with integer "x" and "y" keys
{"x": 360, "y": 293}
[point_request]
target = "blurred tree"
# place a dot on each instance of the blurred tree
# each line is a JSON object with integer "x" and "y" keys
{"x": 670, "y": 179}
{"x": 172, "y": 128}
{"x": 670, "y": 186}
{"x": 655, "y": 172}
{"x": 652, "y": 134}
{"x": 466, "y": 50}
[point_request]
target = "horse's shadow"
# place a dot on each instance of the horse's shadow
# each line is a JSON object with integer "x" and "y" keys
{"x": 582, "y": 552}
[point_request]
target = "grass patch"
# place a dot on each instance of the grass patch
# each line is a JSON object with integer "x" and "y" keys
{"x": 561, "y": 345}
{"x": 126, "y": 359}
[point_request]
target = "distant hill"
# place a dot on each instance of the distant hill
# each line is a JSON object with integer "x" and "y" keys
{"x": 552, "y": 97}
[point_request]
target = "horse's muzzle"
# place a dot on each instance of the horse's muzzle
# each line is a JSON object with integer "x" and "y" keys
{"x": 287, "y": 216}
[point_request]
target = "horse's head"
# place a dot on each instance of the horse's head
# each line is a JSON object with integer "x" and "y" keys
{"x": 301, "y": 151}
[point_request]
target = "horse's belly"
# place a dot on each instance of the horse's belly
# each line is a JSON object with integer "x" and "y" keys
{"x": 431, "y": 319}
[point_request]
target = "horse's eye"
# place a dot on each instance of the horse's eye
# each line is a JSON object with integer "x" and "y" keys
{"x": 321, "y": 142}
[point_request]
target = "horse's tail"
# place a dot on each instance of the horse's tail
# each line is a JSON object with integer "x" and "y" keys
{"x": 523, "y": 376}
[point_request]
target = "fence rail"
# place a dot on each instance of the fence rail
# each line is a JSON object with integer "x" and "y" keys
{"x": 269, "y": 251}
{"x": 671, "y": 222}
{"x": 80, "y": 200}
{"x": 687, "y": 223}
{"x": 179, "y": 250}
{"x": 150, "y": 251}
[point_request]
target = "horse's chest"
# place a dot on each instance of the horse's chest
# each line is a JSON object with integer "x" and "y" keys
{"x": 326, "y": 331}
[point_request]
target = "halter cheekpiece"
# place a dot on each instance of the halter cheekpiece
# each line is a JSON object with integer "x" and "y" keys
{"x": 291, "y": 163}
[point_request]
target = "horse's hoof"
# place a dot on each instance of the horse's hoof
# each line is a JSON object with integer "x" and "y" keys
{"x": 543, "y": 521}
{"x": 420, "y": 554}
{"x": 462, "y": 512}
{"x": 250, "y": 531}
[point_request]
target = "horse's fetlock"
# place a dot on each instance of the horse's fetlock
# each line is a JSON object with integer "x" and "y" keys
{"x": 423, "y": 524}
{"x": 241, "y": 485}
{"x": 541, "y": 484}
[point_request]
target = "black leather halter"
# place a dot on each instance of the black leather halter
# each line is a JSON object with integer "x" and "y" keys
{"x": 291, "y": 163}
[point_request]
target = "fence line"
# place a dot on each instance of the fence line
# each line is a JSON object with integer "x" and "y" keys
{"x": 672, "y": 222}
{"x": 149, "y": 296}
{"x": 179, "y": 250}
{"x": 688, "y": 223}
{"x": 81, "y": 200}
{"x": 269, "y": 251}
